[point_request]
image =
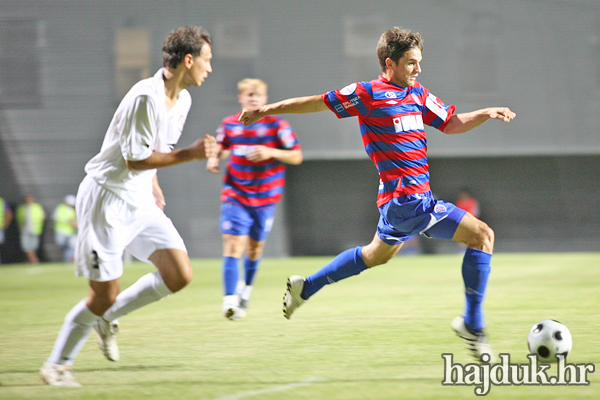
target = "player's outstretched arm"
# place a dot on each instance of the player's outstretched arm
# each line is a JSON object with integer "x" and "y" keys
{"x": 464, "y": 122}
{"x": 201, "y": 149}
{"x": 295, "y": 105}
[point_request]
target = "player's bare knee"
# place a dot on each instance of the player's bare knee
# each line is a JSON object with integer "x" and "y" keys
{"x": 483, "y": 239}
{"x": 254, "y": 254}
{"x": 376, "y": 260}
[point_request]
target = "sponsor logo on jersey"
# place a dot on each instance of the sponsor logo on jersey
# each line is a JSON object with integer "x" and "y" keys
{"x": 242, "y": 150}
{"x": 408, "y": 123}
{"x": 353, "y": 102}
{"x": 390, "y": 95}
{"x": 339, "y": 108}
{"x": 392, "y": 102}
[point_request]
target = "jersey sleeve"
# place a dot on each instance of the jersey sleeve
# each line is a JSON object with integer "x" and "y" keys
{"x": 435, "y": 112}
{"x": 352, "y": 101}
{"x": 286, "y": 136}
{"x": 221, "y": 135}
{"x": 139, "y": 134}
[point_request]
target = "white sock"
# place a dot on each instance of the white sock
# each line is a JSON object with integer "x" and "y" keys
{"x": 73, "y": 334}
{"x": 246, "y": 293}
{"x": 240, "y": 287}
{"x": 148, "y": 289}
{"x": 231, "y": 300}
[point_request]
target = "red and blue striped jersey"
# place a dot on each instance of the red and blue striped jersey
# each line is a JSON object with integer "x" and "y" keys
{"x": 391, "y": 121}
{"x": 254, "y": 184}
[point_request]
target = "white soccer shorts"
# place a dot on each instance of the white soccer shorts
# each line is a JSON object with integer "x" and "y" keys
{"x": 108, "y": 225}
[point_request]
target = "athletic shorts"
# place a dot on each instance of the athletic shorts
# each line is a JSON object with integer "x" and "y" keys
{"x": 410, "y": 215}
{"x": 108, "y": 225}
{"x": 239, "y": 220}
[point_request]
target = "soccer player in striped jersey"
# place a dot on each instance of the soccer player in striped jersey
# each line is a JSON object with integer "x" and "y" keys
{"x": 252, "y": 186}
{"x": 392, "y": 111}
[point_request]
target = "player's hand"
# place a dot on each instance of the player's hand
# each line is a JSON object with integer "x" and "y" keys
{"x": 212, "y": 165}
{"x": 205, "y": 147}
{"x": 250, "y": 116}
{"x": 502, "y": 113}
{"x": 259, "y": 153}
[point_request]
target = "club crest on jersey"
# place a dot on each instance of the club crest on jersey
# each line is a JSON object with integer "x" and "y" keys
{"x": 408, "y": 123}
{"x": 348, "y": 89}
{"x": 390, "y": 95}
{"x": 439, "y": 208}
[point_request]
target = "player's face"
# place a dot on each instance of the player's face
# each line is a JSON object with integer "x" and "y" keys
{"x": 201, "y": 66}
{"x": 253, "y": 97}
{"x": 404, "y": 73}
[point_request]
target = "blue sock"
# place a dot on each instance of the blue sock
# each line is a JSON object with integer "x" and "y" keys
{"x": 475, "y": 271}
{"x": 230, "y": 275}
{"x": 346, "y": 264}
{"x": 250, "y": 267}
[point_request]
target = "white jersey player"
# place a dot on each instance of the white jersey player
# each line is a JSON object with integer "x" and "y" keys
{"x": 120, "y": 204}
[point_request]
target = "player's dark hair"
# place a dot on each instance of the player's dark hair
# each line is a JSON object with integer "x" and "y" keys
{"x": 394, "y": 42}
{"x": 182, "y": 41}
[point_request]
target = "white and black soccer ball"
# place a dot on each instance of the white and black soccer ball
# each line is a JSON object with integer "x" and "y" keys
{"x": 548, "y": 339}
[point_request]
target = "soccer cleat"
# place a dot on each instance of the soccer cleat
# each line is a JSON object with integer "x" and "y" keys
{"x": 244, "y": 304}
{"x": 477, "y": 342}
{"x": 231, "y": 308}
{"x": 292, "y": 299}
{"x": 58, "y": 375}
{"x": 107, "y": 340}
{"x": 233, "y": 312}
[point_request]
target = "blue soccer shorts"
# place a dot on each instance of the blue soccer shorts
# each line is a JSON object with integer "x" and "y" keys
{"x": 239, "y": 220}
{"x": 406, "y": 216}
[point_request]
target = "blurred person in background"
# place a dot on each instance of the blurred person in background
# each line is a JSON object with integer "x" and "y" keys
{"x": 6, "y": 216}
{"x": 252, "y": 186}
{"x": 31, "y": 218}
{"x": 65, "y": 227}
{"x": 467, "y": 202}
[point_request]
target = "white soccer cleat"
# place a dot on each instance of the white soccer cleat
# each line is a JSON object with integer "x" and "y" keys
{"x": 231, "y": 308}
{"x": 107, "y": 338}
{"x": 292, "y": 299}
{"x": 477, "y": 342}
{"x": 58, "y": 375}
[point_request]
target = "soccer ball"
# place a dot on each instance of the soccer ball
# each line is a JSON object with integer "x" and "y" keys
{"x": 548, "y": 339}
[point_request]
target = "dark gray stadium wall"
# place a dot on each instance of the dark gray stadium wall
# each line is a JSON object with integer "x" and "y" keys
{"x": 532, "y": 203}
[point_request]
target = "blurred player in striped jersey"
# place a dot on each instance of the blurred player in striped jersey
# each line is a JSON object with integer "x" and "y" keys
{"x": 252, "y": 186}
{"x": 392, "y": 111}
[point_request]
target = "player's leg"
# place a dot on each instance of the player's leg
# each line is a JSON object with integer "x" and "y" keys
{"x": 235, "y": 223}
{"x": 479, "y": 238}
{"x": 233, "y": 250}
{"x": 350, "y": 262}
{"x": 103, "y": 268}
{"x": 158, "y": 242}
{"x": 464, "y": 228}
{"x": 75, "y": 330}
{"x": 346, "y": 264}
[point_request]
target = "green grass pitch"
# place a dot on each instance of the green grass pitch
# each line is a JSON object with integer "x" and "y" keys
{"x": 379, "y": 335}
